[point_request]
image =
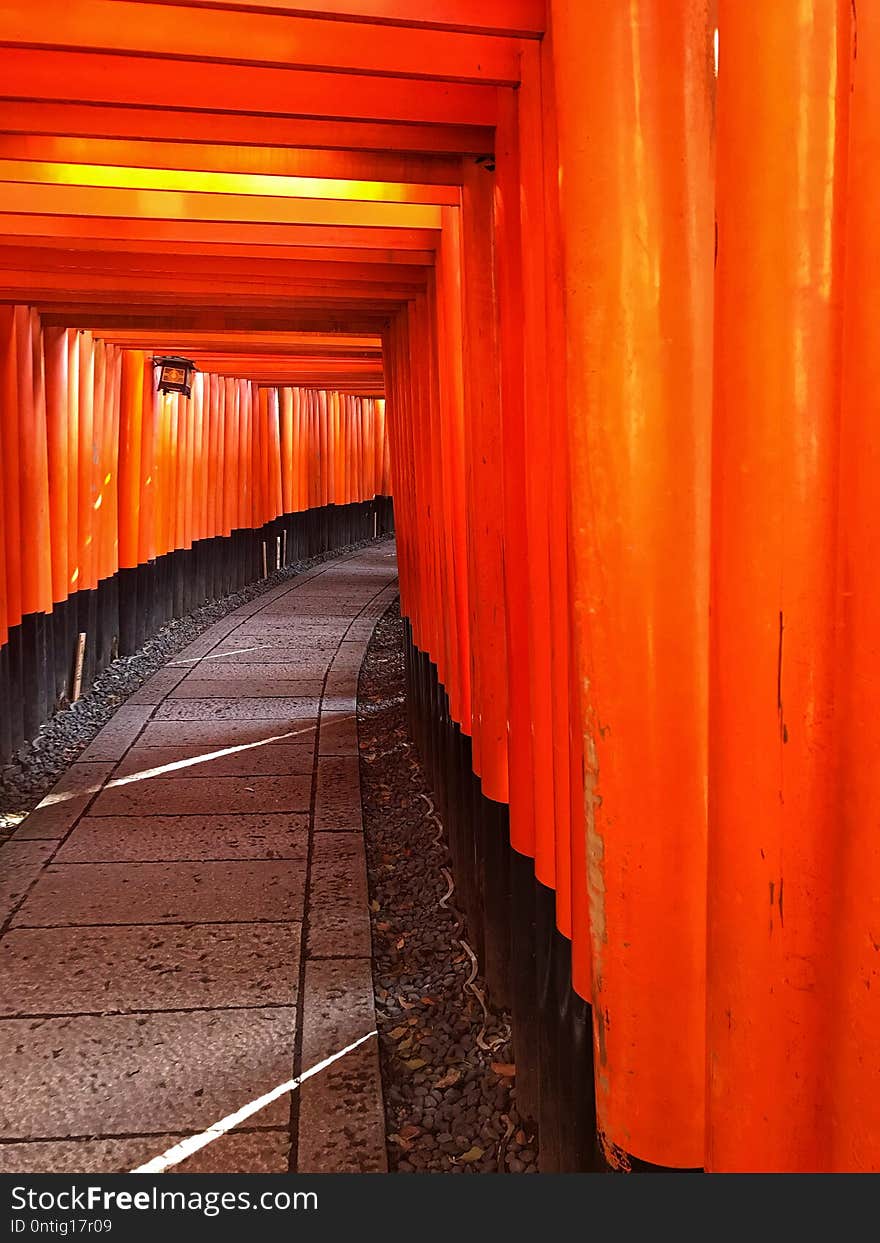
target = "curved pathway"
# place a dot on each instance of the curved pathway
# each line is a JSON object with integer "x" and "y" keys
{"x": 185, "y": 924}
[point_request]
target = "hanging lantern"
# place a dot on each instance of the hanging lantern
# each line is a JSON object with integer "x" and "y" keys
{"x": 175, "y": 374}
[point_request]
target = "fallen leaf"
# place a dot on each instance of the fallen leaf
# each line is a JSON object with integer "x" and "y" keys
{"x": 402, "y": 1143}
{"x": 428, "y": 1001}
{"x": 400, "y": 943}
{"x": 472, "y": 1154}
{"x": 374, "y": 906}
{"x": 415, "y": 1063}
{"x": 449, "y": 1080}
{"x": 407, "y": 1005}
{"x": 398, "y": 1032}
{"x": 410, "y": 1131}
{"x": 506, "y": 1069}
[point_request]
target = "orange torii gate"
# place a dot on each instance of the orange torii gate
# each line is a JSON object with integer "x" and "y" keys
{"x": 618, "y": 301}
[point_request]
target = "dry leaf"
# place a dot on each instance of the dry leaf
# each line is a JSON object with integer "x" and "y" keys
{"x": 407, "y": 1005}
{"x": 410, "y": 1131}
{"x": 428, "y": 1001}
{"x": 398, "y": 1032}
{"x": 506, "y": 1069}
{"x": 415, "y": 1063}
{"x": 449, "y": 1080}
{"x": 374, "y": 906}
{"x": 400, "y": 943}
{"x": 472, "y": 1154}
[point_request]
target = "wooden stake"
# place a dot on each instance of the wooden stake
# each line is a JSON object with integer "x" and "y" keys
{"x": 265, "y": 569}
{"x": 78, "y": 666}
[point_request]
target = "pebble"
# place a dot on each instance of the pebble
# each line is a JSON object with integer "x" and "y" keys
{"x": 404, "y": 862}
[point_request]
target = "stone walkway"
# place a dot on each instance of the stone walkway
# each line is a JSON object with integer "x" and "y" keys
{"x": 185, "y": 919}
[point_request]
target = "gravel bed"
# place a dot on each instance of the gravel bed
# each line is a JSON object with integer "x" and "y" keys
{"x": 450, "y": 1104}
{"x": 39, "y": 764}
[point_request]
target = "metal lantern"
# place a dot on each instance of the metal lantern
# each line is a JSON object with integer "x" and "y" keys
{"x": 175, "y": 374}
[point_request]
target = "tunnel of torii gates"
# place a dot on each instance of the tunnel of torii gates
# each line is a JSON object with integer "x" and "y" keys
{"x": 611, "y": 270}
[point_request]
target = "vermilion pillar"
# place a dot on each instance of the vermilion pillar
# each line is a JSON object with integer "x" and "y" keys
{"x": 131, "y": 415}
{"x": 854, "y": 1050}
{"x": 55, "y": 340}
{"x": 633, "y": 84}
{"x": 9, "y": 463}
{"x": 484, "y": 474}
{"x": 775, "y": 831}
{"x": 528, "y": 816}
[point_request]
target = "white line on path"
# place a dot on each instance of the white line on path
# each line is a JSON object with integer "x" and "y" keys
{"x": 52, "y": 800}
{"x": 194, "y": 660}
{"x": 186, "y": 1148}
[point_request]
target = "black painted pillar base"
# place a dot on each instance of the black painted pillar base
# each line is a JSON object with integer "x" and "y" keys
{"x": 15, "y": 683}
{"x": 64, "y": 631}
{"x": 124, "y": 611}
{"x": 35, "y": 672}
{"x": 524, "y": 983}
{"x": 107, "y": 638}
{"x": 5, "y": 707}
{"x": 511, "y": 921}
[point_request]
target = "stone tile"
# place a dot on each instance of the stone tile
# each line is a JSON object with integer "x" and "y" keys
{"x": 150, "y": 839}
{"x": 155, "y": 967}
{"x": 275, "y": 760}
{"x": 338, "y": 799}
{"x": 239, "y": 1152}
{"x": 341, "y": 1117}
{"x": 241, "y": 673}
{"x": 306, "y": 661}
{"x": 153, "y": 893}
{"x": 265, "y": 645}
{"x": 65, "y": 802}
{"x": 338, "y": 734}
{"x": 204, "y": 795}
{"x": 341, "y": 690}
{"x": 314, "y": 604}
{"x": 112, "y": 742}
{"x": 217, "y": 735}
{"x": 350, "y": 656}
{"x": 339, "y": 922}
{"x": 157, "y": 687}
{"x": 123, "y": 1074}
{"x": 295, "y": 627}
{"x": 232, "y": 709}
{"x": 209, "y": 638}
{"x": 361, "y": 631}
{"x": 192, "y": 653}
{"x": 265, "y": 687}
{"x": 20, "y": 865}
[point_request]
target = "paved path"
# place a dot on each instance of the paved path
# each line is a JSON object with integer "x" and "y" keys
{"x": 184, "y": 918}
